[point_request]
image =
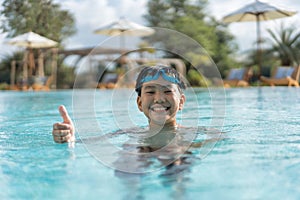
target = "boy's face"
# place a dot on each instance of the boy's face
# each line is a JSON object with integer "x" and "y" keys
{"x": 160, "y": 100}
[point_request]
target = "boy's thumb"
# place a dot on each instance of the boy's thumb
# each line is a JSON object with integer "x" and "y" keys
{"x": 64, "y": 114}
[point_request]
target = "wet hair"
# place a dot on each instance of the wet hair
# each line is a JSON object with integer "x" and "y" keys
{"x": 149, "y": 73}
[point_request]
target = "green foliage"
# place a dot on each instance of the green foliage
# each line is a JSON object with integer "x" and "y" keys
{"x": 41, "y": 16}
{"x": 283, "y": 51}
{"x": 190, "y": 18}
{"x": 65, "y": 77}
{"x": 4, "y": 86}
{"x": 5, "y": 66}
{"x": 286, "y": 43}
{"x": 196, "y": 79}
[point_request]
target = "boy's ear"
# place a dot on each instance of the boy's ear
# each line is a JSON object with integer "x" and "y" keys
{"x": 139, "y": 103}
{"x": 181, "y": 102}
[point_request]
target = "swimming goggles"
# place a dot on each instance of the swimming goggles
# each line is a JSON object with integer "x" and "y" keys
{"x": 167, "y": 73}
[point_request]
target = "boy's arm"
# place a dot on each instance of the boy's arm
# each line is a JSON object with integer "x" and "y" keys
{"x": 63, "y": 131}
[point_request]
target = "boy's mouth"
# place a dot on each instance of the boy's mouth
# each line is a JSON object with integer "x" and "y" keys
{"x": 160, "y": 108}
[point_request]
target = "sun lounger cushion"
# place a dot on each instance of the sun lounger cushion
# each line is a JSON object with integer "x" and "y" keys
{"x": 236, "y": 74}
{"x": 110, "y": 78}
{"x": 283, "y": 72}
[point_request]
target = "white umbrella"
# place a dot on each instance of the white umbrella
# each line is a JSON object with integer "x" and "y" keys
{"x": 258, "y": 11}
{"x": 124, "y": 27}
{"x": 31, "y": 41}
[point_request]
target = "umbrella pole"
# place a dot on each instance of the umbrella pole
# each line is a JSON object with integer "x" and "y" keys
{"x": 25, "y": 70}
{"x": 258, "y": 45}
{"x": 259, "y": 50}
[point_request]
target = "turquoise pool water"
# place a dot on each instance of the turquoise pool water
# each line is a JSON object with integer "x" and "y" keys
{"x": 259, "y": 157}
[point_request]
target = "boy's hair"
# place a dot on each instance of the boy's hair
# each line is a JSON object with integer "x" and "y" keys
{"x": 150, "y": 73}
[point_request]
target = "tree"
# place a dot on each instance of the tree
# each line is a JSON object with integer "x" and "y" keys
{"x": 43, "y": 17}
{"x": 286, "y": 43}
{"x": 190, "y": 18}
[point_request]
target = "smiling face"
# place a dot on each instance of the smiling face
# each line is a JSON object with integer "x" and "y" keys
{"x": 160, "y": 100}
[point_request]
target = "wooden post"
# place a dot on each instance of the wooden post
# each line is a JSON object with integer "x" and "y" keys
{"x": 41, "y": 72}
{"x": 12, "y": 74}
{"x": 31, "y": 62}
{"x": 25, "y": 70}
{"x": 54, "y": 67}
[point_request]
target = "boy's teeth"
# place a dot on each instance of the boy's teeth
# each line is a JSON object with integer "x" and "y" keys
{"x": 159, "y": 109}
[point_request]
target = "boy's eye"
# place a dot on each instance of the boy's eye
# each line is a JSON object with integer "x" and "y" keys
{"x": 168, "y": 91}
{"x": 150, "y": 92}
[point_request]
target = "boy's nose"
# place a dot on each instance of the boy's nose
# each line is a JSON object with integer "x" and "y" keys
{"x": 159, "y": 97}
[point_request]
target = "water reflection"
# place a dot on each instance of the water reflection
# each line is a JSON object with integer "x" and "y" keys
{"x": 162, "y": 160}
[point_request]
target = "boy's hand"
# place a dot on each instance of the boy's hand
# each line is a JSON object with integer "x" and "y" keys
{"x": 64, "y": 131}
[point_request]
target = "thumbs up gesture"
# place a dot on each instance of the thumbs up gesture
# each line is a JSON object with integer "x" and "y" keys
{"x": 64, "y": 131}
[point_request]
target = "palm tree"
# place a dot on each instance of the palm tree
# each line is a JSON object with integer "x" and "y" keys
{"x": 286, "y": 42}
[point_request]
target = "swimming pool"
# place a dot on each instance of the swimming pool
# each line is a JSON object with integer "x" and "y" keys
{"x": 257, "y": 159}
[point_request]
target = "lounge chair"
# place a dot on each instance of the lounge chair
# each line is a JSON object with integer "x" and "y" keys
{"x": 41, "y": 83}
{"x": 283, "y": 76}
{"x": 108, "y": 81}
{"x": 238, "y": 77}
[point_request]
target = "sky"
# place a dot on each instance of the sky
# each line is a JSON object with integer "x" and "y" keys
{"x": 93, "y": 14}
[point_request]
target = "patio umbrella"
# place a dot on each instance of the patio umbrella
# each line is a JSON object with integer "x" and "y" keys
{"x": 31, "y": 41}
{"x": 258, "y": 11}
{"x": 124, "y": 27}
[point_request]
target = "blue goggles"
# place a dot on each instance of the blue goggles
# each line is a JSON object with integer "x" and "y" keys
{"x": 164, "y": 72}
{"x": 152, "y": 73}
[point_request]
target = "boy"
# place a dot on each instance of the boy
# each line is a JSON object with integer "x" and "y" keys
{"x": 160, "y": 97}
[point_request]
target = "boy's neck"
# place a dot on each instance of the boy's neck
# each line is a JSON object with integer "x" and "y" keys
{"x": 164, "y": 127}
